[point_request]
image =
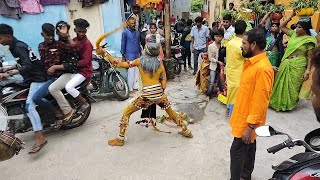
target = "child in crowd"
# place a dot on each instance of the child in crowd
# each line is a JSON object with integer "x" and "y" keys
{"x": 155, "y": 37}
{"x": 213, "y": 57}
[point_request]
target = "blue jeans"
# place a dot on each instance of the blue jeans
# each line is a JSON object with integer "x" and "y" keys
{"x": 196, "y": 56}
{"x": 230, "y": 107}
{"x": 211, "y": 84}
{"x": 39, "y": 97}
{"x": 31, "y": 106}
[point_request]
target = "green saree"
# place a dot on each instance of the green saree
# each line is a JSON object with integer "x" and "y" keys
{"x": 288, "y": 81}
{"x": 272, "y": 54}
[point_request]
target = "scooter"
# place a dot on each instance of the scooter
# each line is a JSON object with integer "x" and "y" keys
{"x": 302, "y": 166}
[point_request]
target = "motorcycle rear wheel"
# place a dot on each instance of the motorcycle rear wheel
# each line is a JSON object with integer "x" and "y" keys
{"x": 176, "y": 67}
{"x": 78, "y": 119}
{"x": 120, "y": 87}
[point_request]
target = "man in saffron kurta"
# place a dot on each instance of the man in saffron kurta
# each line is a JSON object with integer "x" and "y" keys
{"x": 251, "y": 104}
{"x": 234, "y": 64}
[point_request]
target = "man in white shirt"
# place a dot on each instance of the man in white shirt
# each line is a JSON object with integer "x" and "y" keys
{"x": 228, "y": 28}
{"x": 199, "y": 41}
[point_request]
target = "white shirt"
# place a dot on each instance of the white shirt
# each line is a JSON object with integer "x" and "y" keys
{"x": 213, "y": 54}
{"x": 228, "y": 33}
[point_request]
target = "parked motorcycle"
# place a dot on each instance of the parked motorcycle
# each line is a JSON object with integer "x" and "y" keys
{"x": 302, "y": 166}
{"x": 12, "y": 109}
{"x": 177, "y": 53}
{"x": 106, "y": 79}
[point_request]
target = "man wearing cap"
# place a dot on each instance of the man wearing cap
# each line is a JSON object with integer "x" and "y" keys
{"x": 153, "y": 78}
{"x": 130, "y": 50}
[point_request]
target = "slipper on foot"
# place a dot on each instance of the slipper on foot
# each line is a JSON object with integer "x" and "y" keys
{"x": 37, "y": 147}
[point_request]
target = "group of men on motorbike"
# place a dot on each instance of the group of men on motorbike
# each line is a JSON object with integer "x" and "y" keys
{"x": 64, "y": 64}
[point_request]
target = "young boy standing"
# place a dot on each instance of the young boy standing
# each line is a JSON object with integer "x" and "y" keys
{"x": 213, "y": 55}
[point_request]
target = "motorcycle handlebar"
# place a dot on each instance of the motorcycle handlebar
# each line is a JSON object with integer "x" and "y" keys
{"x": 276, "y": 148}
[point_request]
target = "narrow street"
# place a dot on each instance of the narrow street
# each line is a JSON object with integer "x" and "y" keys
{"x": 83, "y": 153}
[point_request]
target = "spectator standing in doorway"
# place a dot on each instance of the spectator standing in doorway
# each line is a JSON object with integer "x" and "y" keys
{"x": 199, "y": 42}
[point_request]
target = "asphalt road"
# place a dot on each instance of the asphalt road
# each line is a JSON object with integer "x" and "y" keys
{"x": 83, "y": 153}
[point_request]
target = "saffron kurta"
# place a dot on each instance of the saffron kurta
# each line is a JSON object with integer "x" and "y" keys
{"x": 254, "y": 94}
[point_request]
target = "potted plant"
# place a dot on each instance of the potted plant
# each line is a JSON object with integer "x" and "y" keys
{"x": 234, "y": 14}
{"x": 277, "y": 10}
{"x": 305, "y": 7}
{"x": 250, "y": 9}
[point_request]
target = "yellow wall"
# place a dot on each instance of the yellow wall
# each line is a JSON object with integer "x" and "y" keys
{"x": 315, "y": 18}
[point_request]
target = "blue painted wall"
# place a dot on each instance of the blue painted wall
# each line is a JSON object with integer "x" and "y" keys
{"x": 28, "y": 28}
{"x": 112, "y": 18}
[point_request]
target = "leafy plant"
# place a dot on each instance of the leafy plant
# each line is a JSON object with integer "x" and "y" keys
{"x": 276, "y": 8}
{"x": 234, "y": 14}
{"x": 196, "y": 5}
{"x": 300, "y": 4}
{"x": 255, "y": 6}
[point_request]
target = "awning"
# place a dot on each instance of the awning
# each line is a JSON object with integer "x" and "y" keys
{"x": 142, "y": 3}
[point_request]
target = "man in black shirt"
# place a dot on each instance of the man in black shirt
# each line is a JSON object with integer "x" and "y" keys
{"x": 33, "y": 73}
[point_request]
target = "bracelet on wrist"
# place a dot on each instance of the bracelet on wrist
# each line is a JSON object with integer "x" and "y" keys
{"x": 250, "y": 126}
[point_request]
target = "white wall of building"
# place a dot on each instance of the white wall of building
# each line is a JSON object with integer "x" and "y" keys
{"x": 179, "y": 6}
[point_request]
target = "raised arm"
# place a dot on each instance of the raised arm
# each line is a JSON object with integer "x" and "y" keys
{"x": 117, "y": 62}
{"x": 284, "y": 27}
{"x": 264, "y": 20}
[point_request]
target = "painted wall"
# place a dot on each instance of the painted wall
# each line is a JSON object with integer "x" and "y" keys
{"x": 112, "y": 18}
{"x": 315, "y": 18}
{"x": 28, "y": 28}
{"x": 179, "y": 6}
{"x": 215, "y": 10}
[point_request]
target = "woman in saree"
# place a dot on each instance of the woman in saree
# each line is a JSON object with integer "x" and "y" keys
{"x": 295, "y": 67}
{"x": 274, "y": 37}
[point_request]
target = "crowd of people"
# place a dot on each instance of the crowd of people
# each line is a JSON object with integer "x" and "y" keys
{"x": 261, "y": 68}
{"x": 248, "y": 68}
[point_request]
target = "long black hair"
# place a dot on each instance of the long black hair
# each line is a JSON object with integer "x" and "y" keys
{"x": 306, "y": 25}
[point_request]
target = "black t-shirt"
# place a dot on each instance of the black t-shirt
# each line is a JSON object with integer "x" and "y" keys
{"x": 30, "y": 67}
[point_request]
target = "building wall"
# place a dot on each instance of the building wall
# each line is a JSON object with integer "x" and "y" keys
{"x": 315, "y": 18}
{"x": 179, "y": 6}
{"x": 215, "y": 10}
{"x": 112, "y": 18}
{"x": 28, "y": 28}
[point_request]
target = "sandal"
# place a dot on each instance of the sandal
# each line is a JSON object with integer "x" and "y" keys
{"x": 58, "y": 124}
{"x": 68, "y": 117}
{"x": 37, "y": 147}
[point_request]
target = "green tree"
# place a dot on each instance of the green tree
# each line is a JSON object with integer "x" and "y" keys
{"x": 196, "y": 5}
